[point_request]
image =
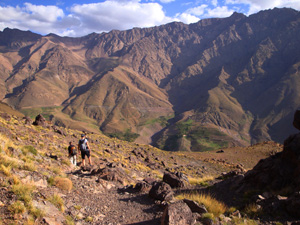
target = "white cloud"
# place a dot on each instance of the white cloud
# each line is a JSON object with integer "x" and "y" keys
{"x": 42, "y": 19}
{"x": 84, "y": 19}
{"x": 120, "y": 15}
{"x": 214, "y": 3}
{"x": 197, "y": 11}
{"x": 257, "y": 5}
{"x": 106, "y": 15}
{"x": 219, "y": 12}
{"x": 166, "y": 1}
{"x": 187, "y": 18}
{"x": 44, "y": 13}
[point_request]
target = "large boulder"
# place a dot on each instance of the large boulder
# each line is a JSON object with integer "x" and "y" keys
{"x": 296, "y": 121}
{"x": 40, "y": 121}
{"x": 177, "y": 213}
{"x": 293, "y": 205}
{"x": 195, "y": 207}
{"x": 161, "y": 191}
{"x": 142, "y": 187}
{"x": 174, "y": 180}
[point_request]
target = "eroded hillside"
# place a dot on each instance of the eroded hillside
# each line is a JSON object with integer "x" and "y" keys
{"x": 213, "y": 84}
{"x": 38, "y": 185}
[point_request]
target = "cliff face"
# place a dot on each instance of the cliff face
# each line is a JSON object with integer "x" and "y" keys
{"x": 230, "y": 81}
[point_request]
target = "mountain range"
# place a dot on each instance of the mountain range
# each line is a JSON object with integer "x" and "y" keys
{"x": 216, "y": 83}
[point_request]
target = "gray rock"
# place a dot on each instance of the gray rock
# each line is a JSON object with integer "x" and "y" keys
{"x": 161, "y": 191}
{"x": 195, "y": 207}
{"x": 177, "y": 213}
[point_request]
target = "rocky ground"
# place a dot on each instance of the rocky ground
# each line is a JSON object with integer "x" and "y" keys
{"x": 127, "y": 184}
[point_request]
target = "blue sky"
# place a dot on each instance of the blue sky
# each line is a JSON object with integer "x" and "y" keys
{"x": 79, "y": 18}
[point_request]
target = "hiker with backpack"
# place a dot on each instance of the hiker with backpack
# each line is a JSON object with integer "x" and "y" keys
{"x": 72, "y": 153}
{"x": 84, "y": 147}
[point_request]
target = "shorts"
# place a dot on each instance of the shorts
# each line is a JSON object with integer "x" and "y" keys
{"x": 85, "y": 153}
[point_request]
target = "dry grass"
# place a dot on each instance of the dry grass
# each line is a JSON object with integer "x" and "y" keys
{"x": 9, "y": 161}
{"x": 63, "y": 183}
{"x": 158, "y": 174}
{"x": 17, "y": 207}
{"x": 5, "y": 142}
{"x": 69, "y": 220}
{"x": 23, "y": 192}
{"x": 89, "y": 219}
{"x": 6, "y": 170}
{"x": 35, "y": 212}
{"x": 243, "y": 221}
{"x": 252, "y": 210}
{"x": 212, "y": 205}
{"x": 29, "y": 149}
{"x": 29, "y": 166}
{"x": 201, "y": 180}
{"x": 57, "y": 201}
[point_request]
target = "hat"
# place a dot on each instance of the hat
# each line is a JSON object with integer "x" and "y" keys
{"x": 82, "y": 135}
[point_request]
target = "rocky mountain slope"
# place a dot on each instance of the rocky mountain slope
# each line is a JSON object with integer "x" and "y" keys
{"x": 215, "y": 83}
{"x": 130, "y": 183}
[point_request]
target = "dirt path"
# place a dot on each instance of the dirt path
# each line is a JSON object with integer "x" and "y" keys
{"x": 103, "y": 203}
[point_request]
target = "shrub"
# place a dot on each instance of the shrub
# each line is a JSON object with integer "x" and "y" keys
{"x": 200, "y": 181}
{"x": 29, "y": 166}
{"x": 57, "y": 201}
{"x": 69, "y": 220}
{"x": 8, "y": 161}
{"x": 29, "y": 148}
{"x": 63, "y": 183}
{"x": 77, "y": 207}
{"x": 6, "y": 170}
{"x": 207, "y": 216}
{"x": 126, "y": 136}
{"x": 66, "y": 162}
{"x": 212, "y": 205}
{"x": 17, "y": 207}
{"x": 15, "y": 179}
{"x": 252, "y": 210}
{"x": 56, "y": 170}
{"x": 35, "y": 212}
{"x": 158, "y": 174}
{"x": 23, "y": 192}
{"x": 89, "y": 219}
{"x": 50, "y": 181}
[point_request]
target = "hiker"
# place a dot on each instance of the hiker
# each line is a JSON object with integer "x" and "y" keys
{"x": 72, "y": 153}
{"x": 84, "y": 147}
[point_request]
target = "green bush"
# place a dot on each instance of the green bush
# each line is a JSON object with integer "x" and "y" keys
{"x": 125, "y": 136}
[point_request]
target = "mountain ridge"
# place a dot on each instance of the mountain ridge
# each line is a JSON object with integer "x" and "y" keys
{"x": 235, "y": 78}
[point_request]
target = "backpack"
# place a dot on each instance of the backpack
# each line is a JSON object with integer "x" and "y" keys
{"x": 82, "y": 144}
{"x": 73, "y": 150}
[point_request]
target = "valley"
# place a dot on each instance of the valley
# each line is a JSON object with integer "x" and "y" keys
{"x": 213, "y": 84}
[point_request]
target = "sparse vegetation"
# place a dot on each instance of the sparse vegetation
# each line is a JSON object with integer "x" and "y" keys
{"x": 23, "y": 192}
{"x": 29, "y": 166}
{"x": 89, "y": 219}
{"x": 213, "y": 206}
{"x": 35, "y": 212}
{"x": 126, "y": 136}
{"x": 57, "y": 201}
{"x": 63, "y": 183}
{"x": 17, "y": 207}
{"x": 203, "y": 181}
{"x": 25, "y": 162}
{"x": 252, "y": 210}
{"x": 5, "y": 170}
{"x": 29, "y": 148}
{"x": 69, "y": 220}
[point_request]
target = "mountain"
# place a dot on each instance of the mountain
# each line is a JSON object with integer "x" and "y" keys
{"x": 39, "y": 185}
{"x": 215, "y": 83}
